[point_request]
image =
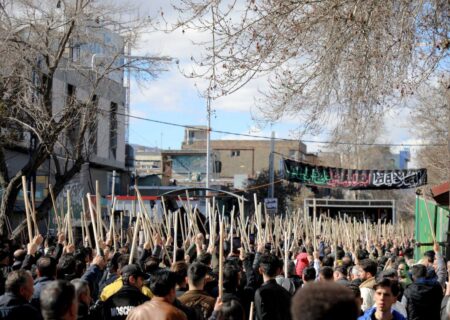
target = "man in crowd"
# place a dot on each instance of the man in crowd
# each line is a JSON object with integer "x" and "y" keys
{"x": 196, "y": 297}
{"x": 423, "y": 297}
{"x": 272, "y": 301}
{"x": 162, "y": 284}
{"x": 324, "y": 300}
{"x": 129, "y": 296}
{"x": 59, "y": 301}
{"x": 83, "y": 294}
{"x": 340, "y": 275}
{"x": 46, "y": 273}
{"x": 14, "y": 304}
{"x": 386, "y": 292}
{"x": 368, "y": 270}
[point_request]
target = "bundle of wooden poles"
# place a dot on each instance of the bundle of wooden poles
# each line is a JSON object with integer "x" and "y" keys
{"x": 284, "y": 233}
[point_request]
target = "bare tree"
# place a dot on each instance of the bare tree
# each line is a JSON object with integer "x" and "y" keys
{"x": 430, "y": 119}
{"x": 326, "y": 60}
{"x": 40, "y": 41}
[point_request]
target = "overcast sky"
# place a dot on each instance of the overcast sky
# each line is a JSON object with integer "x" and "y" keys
{"x": 174, "y": 98}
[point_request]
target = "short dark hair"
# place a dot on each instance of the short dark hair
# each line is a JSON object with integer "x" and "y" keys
{"x": 324, "y": 300}
{"x": 197, "y": 272}
{"x": 16, "y": 280}
{"x": 354, "y": 288}
{"x": 232, "y": 309}
{"x": 326, "y": 272}
{"x": 418, "y": 271}
{"x": 368, "y": 265}
{"x": 230, "y": 277}
{"x": 180, "y": 269}
{"x": 205, "y": 258}
{"x": 342, "y": 270}
{"x": 66, "y": 266}
{"x": 388, "y": 283}
{"x": 309, "y": 273}
{"x": 269, "y": 264}
{"x": 340, "y": 254}
{"x": 81, "y": 286}
{"x": 46, "y": 267}
{"x": 123, "y": 261}
{"x": 328, "y": 261}
{"x": 162, "y": 281}
{"x": 56, "y": 299}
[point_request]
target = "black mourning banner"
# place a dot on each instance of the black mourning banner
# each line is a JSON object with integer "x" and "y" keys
{"x": 353, "y": 179}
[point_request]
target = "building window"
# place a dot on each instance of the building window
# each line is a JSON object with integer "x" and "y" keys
{"x": 93, "y": 125}
{"x": 73, "y": 129}
{"x": 113, "y": 130}
{"x": 75, "y": 53}
{"x": 235, "y": 153}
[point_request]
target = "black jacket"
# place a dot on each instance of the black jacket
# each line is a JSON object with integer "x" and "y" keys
{"x": 122, "y": 302}
{"x": 272, "y": 302}
{"x": 39, "y": 284}
{"x": 423, "y": 300}
{"x": 13, "y": 307}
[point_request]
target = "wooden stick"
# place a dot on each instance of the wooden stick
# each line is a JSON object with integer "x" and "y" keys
{"x": 220, "y": 285}
{"x": 251, "y": 311}
{"x": 86, "y": 225}
{"x": 429, "y": 221}
{"x": 133, "y": 243}
{"x": 175, "y": 235}
{"x": 99, "y": 210}
{"x": 33, "y": 210}
{"x": 69, "y": 218}
{"x": 27, "y": 211}
{"x": 94, "y": 227}
{"x": 57, "y": 218}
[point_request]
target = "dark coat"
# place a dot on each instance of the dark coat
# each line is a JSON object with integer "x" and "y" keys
{"x": 122, "y": 302}
{"x": 272, "y": 302}
{"x": 13, "y": 307}
{"x": 39, "y": 284}
{"x": 423, "y": 300}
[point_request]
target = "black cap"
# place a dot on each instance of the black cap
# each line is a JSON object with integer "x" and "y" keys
{"x": 133, "y": 270}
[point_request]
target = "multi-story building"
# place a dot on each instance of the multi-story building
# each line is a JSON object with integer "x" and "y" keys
{"x": 106, "y": 134}
{"x": 243, "y": 159}
{"x": 147, "y": 161}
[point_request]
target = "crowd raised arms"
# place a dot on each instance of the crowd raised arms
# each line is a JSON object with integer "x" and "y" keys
{"x": 227, "y": 265}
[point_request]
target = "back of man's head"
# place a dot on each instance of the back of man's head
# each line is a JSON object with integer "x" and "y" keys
{"x": 269, "y": 265}
{"x": 418, "y": 271}
{"x": 309, "y": 274}
{"x": 180, "y": 268}
{"x": 162, "y": 282}
{"x": 196, "y": 274}
{"x": 16, "y": 280}
{"x": 46, "y": 267}
{"x": 66, "y": 266}
{"x": 321, "y": 301}
{"x": 205, "y": 258}
{"x": 369, "y": 266}
{"x": 230, "y": 278}
{"x": 58, "y": 300}
{"x": 122, "y": 261}
{"x": 81, "y": 287}
{"x": 326, "y": 273}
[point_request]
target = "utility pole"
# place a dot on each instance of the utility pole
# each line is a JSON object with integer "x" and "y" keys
{"x": 208, "y": 102}
{"x": 208, "y": 146}
{"x": 271, "y": 167}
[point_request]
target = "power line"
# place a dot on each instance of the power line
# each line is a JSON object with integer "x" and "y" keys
{"x": 284, "y": 139}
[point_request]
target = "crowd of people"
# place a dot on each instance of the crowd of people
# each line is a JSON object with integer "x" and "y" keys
{"x": 50, "y": 279}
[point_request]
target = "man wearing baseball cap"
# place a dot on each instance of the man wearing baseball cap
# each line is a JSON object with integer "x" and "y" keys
{"x": 129, "y": 296}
